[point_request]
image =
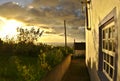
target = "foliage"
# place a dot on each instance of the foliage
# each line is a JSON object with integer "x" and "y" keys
{"x": 54, "y": 57}
{"x": 28, "y": 35}
{"x": 29, "y": 72}
{"x": 28, "y": 62}
{"x": 26, "y": 49}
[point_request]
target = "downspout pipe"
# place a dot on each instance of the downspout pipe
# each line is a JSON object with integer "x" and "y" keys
{"x": 86, "y": 13}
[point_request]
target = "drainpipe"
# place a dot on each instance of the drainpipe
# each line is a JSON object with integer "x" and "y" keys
{"x": 86, "y": 13}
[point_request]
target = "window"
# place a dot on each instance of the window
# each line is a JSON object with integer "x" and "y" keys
{"x": 107, "y": 66}
{"x": 108, "y": 51}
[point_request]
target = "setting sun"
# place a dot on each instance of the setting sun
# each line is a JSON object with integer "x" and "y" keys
{"x": 8, "y": 27}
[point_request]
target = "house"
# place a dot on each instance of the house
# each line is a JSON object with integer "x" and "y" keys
{"x": 103, "y": 39}
{"x": 79, "y": 48}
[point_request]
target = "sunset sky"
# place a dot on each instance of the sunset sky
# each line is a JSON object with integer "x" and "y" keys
{"x": 49, "y": 15}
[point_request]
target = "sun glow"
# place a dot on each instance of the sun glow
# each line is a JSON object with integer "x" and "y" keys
{"x": 8, "y": 27}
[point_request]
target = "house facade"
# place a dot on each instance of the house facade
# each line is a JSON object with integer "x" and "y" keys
{"x": 79, "y": 48}
{"x": 103, "y": 40}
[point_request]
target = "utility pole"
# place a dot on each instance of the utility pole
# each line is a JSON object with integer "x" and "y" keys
{"x": 65, "y": 36}
{"x": 74, "y": 46}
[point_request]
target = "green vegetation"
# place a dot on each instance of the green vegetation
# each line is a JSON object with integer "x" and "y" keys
{"x": 25, "y": 61}
{"x": 29, "y": 35}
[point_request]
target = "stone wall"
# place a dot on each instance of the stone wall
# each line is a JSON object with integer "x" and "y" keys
{"x": 57, "y": 73}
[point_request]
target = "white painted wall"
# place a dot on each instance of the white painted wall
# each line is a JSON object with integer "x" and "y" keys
{"x": 118, "y": 24}
{"x": 98, "y": 9}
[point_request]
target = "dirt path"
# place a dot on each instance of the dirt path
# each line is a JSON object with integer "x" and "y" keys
{"x": 77, "y": 71}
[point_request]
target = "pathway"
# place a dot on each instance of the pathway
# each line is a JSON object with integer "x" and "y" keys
{"x": 77, "y": 71}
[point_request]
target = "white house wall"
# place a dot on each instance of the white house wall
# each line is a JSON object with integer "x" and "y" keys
{"x": 118, "y": 24}
{"x": 98, "y": 9}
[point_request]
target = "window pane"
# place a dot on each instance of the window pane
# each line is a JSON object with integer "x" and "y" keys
{"x": 107, "y": 58}
{"x": 104, "y": 65}
{"x": 106, "y": 33}
{"x": 111, "y": 72}
{"x": 104, "y": 56}
{"x": 106, "y": 44}
{"x": 110, "y": 45}
{"x": 103, "y": 34}
{"x": 107, "y": 70}
{"x": 113, "y": 46}
{"x": 103, "y": 44}
{"x": 111, "y": 60}
{"x": 110, "y": 32}
{"x": 113, "y": 32}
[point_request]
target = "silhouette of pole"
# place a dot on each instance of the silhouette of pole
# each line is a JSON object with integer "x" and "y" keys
{"x": 74, "y": 46}
{"x": 65, "y": 36}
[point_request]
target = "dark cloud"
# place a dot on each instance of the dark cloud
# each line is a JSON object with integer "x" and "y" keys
{"x": 51, "y": 13}
{"x": 38, "y": 3}
{"x": 44, "y": 14}
{"x": 11, "y": 10}
{"x": 62, "y": 9}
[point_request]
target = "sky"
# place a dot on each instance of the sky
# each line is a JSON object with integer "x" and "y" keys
{"x": 49, "y": 15}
